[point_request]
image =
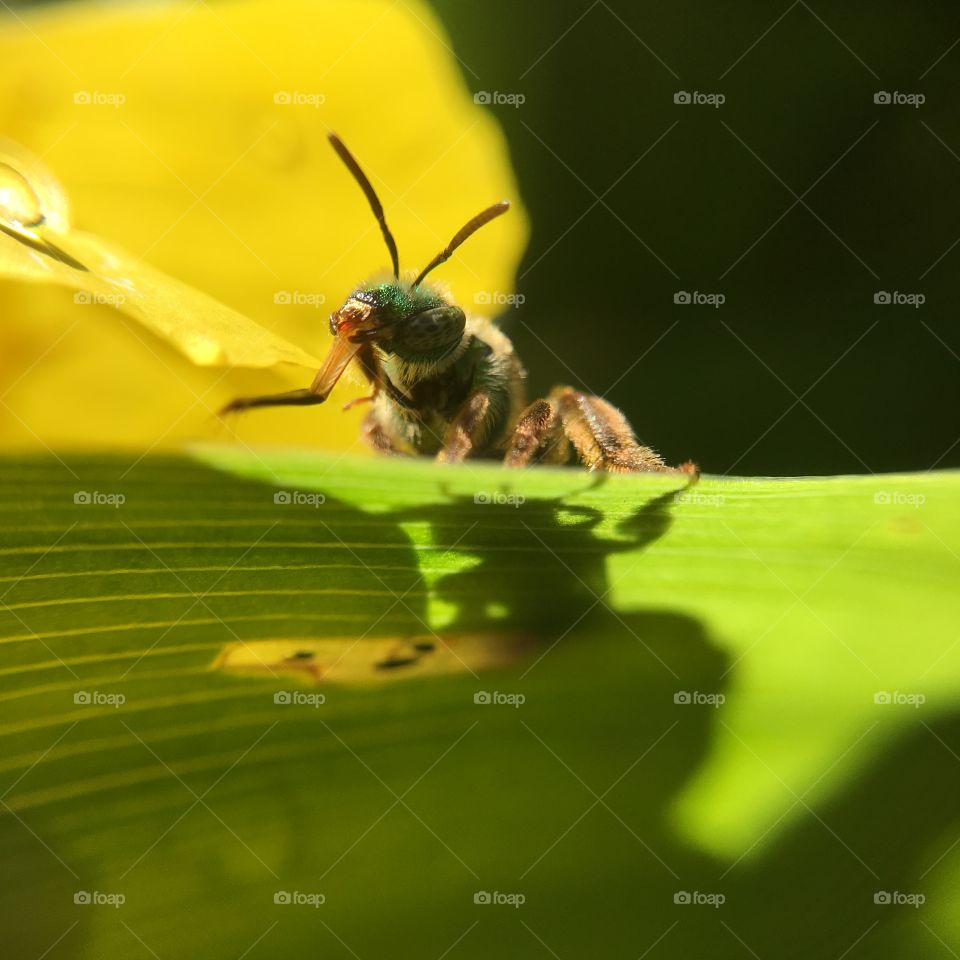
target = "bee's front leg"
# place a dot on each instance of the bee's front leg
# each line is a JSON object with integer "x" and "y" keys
{"x": 468, "y": 429}
{"x": 379, "y": 436}
{"x": 538, "y": 437}
{"x": 292, "y": 398}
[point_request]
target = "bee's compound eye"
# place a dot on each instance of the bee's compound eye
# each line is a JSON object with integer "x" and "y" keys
{"x": 19, "y": 203}
{"x": 334, "y": 320}
{"x": 432, "y": 329}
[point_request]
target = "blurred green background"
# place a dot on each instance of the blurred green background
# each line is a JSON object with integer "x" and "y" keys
{"x": 633, "y": 198}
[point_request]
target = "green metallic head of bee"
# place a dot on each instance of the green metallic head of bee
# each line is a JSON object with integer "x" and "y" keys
{"x": 414, "y": 321}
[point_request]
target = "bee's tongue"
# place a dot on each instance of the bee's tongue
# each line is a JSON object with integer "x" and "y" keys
{"x": 341, "y": 353}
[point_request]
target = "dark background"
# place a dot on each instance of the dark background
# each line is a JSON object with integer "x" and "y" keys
{"x": 799, "y": 372}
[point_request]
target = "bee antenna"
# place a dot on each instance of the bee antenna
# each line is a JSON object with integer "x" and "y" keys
{"x": 375, "y": 205}
{"x": 469, "y": 228}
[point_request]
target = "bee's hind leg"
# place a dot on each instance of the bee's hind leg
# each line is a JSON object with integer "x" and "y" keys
{"x": 598, "y": 431}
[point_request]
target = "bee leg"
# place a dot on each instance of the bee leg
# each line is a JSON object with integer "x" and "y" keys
{"x": 467, "y": 429}
{"x": 377, "y": 435}
{"x": 292, "y": 398}
{"x": 603, "y": 438}
{"x": 538, "y": 437}
{"x": 358, "y": 401}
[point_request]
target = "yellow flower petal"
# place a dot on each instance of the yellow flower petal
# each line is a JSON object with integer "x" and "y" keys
{"x": 194, "y": 137}
{"x": 38, "y": 243}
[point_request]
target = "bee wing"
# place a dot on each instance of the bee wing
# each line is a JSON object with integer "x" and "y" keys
{"x": 38, "y": 244}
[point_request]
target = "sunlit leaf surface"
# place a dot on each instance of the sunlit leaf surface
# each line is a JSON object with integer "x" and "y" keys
{"x": 744, "y": 689}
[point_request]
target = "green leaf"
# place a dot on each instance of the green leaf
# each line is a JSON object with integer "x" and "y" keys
{"x": 681, "y": 693}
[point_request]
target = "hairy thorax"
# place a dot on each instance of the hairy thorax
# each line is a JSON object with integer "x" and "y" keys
{"x": 418, "y": 401}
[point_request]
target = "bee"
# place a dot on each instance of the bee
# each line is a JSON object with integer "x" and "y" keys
{"x": 442, "y": 384}
{"x": 450, "y": 386}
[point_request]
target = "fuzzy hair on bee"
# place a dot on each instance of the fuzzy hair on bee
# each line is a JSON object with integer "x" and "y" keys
{"x": 450, "y": 386}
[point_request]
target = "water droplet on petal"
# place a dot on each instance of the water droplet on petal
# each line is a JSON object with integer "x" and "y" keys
{"x": 30, "y": 195}
{"x": 203, "y": 351}
{"x": 19, "y": 203}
